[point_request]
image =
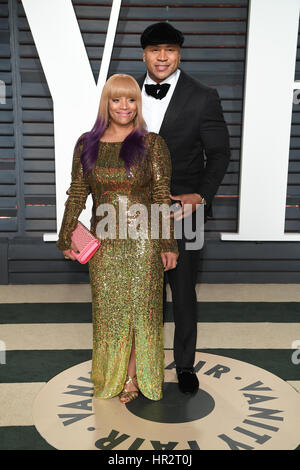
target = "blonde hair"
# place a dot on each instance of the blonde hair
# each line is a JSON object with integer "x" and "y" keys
{"x": 121, "y": 85}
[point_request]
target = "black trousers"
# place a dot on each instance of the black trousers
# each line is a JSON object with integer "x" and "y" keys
{"x": 182, "y": 282}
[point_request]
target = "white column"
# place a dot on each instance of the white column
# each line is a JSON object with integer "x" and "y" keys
{"x": 71, "y": 82}
{"x": 268, "y": 101}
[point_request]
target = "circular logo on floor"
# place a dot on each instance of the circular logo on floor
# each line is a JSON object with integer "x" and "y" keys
{"x": 237, "y": 406}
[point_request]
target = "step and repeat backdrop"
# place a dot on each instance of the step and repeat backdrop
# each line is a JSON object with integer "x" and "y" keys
{"x": 214, "y": 52}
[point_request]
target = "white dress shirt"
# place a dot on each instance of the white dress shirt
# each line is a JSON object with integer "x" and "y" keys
{"x": 154, "y": 109}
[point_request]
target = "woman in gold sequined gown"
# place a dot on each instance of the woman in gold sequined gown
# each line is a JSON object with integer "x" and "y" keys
{"x": 130, "y": 166}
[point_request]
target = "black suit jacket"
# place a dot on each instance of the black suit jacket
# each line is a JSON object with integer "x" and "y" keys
{"x": 194, "y": 128}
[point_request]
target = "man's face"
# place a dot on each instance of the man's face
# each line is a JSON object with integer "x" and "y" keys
{"x": 161, "y": 60}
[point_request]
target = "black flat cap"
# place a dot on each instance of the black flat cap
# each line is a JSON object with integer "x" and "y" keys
{"x": 161, "y": 33}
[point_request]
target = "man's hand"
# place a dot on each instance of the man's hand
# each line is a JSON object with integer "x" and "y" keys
{"x": 192, "y": 199}
{"x": 169, "y": 260}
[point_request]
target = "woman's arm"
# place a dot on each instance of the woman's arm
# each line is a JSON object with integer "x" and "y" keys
{"x": 78, "y": 193}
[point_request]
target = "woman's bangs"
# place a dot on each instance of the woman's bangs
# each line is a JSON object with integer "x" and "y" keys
{"x": 123, "y": 87}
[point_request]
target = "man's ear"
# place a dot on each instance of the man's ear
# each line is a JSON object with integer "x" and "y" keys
{"x": 144, "y": 58}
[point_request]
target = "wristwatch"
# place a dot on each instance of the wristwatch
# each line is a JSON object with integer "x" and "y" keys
{"x": 203, "y": 200}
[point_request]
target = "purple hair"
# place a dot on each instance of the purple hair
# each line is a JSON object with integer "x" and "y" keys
{"x": 133, "y": 147}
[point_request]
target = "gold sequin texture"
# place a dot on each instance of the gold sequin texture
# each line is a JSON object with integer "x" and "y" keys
{"x": 126, "y": 274}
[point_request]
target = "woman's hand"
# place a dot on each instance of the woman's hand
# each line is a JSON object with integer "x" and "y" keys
{"x": 68, "y": 254}
{"x": 169, "y": 260}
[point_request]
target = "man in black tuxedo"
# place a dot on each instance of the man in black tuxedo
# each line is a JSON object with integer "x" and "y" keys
{"x": 189, "y": 116}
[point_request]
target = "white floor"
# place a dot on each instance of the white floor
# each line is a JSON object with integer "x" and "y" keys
{"x": 14, "y": 293}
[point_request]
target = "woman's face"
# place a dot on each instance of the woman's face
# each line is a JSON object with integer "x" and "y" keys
{"x": 122, "y": 110}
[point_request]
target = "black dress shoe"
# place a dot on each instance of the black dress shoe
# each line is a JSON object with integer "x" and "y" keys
{"x": 187, "y": 380}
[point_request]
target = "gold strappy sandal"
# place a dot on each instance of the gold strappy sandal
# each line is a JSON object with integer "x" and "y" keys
{"x": 129, "y": 394}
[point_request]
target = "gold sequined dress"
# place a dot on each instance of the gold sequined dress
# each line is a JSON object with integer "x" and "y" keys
{"x": 126, "y": 274}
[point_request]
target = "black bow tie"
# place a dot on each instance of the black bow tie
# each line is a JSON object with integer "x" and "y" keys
{"x": 157, "y": 91}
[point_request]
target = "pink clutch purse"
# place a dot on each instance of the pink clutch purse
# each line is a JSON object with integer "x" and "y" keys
{"x": 86, "y": 243}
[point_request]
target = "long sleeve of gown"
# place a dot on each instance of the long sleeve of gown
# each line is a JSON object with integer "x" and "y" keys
{"x": 161, "y": 176}
{"x": 78, "y": 193}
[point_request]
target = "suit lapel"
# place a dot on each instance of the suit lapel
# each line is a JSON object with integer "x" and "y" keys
{"x": 141, "y": 80}
{"x": 176, "y": 104}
